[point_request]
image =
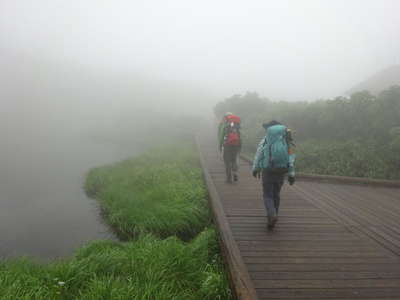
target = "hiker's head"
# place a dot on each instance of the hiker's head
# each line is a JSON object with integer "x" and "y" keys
{"x": 226, "y": 115}
{"x": 269, "y": 124}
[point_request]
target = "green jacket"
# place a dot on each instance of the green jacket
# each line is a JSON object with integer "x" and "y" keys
{"x": 221, "y": 134}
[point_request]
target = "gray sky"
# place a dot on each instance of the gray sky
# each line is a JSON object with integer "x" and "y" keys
{"x": 281, "y": 49}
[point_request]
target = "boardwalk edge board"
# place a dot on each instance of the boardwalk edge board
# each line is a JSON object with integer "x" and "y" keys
{"x": 339, "y": 179}
{"x": 241, "y": 284}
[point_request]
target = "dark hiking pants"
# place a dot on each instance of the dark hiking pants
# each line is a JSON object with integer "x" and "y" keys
{"x": 230, "y": 160}
{"x": 272, "y": 185}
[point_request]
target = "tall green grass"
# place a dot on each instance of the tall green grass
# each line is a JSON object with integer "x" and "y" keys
{"x": 148, "y": 268}
{"x": 160, "y": 192}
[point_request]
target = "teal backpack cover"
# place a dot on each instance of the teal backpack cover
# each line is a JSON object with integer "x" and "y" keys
{"x": 275, "y": 156}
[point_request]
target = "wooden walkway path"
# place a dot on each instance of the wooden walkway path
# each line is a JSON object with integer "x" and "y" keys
{"x": 332, "y": 241}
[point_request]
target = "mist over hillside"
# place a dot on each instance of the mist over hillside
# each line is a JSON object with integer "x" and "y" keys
{"x": 379, "y": 81}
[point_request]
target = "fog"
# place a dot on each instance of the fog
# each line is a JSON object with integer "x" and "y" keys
{"x": 282, "y": 49}
{"x": 81, "y": 83}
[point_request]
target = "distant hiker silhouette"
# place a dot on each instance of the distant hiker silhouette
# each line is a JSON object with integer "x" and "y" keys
{"x": 230, "y": 143}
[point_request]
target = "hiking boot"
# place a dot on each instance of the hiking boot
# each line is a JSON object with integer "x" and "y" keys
{"x": 271, "y": 222}
{"x": 235, "y": 177}
{"x": 274, "y": 221}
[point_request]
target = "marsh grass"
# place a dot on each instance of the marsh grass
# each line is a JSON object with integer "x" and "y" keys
{"x": 158, "y": 202}
{"x": 160, "y": 192}
{"x": 147, "y": 268}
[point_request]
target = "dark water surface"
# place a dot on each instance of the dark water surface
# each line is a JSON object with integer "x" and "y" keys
{"x": 44, "y": 211}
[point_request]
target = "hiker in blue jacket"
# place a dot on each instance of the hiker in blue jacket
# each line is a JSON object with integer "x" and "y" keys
{"x": 273, "y": 160}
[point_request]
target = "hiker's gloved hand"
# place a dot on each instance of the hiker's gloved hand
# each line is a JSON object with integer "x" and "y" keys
{"x": 256, "y": 174}
{"x": 291, "y": 180}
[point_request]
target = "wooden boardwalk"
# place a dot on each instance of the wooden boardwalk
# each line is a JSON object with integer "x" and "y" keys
{"x": 332, "y": 241}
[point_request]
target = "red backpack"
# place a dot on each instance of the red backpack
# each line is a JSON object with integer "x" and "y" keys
{"x": 232, "y": 130}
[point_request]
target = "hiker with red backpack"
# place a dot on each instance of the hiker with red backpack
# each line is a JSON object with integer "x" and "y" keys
{"x": 230, "y": 143}
{"x": 273, "y": 160}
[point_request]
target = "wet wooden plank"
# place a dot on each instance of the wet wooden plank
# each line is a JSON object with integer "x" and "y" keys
{"x": 327, "y": 284}
{"x": 338, "y": 293}
{"x": 326, "y": 275}
{"x": 314, "y": 253}
{"x": 318, "y": 260}
{"x": 328, "y": 267}
{"x": 303, "y": 248}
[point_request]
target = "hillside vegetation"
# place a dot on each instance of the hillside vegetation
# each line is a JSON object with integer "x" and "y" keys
{"x": 355, "y": 136}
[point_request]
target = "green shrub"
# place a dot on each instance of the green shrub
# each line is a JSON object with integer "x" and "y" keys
{"x": 346, "y": 158}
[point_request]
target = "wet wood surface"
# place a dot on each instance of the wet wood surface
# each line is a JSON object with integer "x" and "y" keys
{"x": 332, "y": 240}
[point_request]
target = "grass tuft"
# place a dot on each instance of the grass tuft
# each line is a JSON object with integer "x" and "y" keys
{"x": 147, "y": 268}
{"x": 160, "y": 192}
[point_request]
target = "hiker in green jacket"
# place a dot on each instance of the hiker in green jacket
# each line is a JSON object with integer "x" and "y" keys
{"x": 273, "y": 160}
{"x": 230, "y": 143}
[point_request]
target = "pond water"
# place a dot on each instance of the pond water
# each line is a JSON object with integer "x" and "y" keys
{"x": 44, "y": 211}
